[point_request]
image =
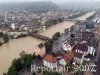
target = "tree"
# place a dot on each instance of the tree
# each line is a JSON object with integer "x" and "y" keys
{"x": 48, "y": 45}
{"x": 51, "y": 73}
{"x": 53, "y": 22}
{"x": 92, "y": 16}
{"x": 76, "y": 15}
{"x": 79, "y": 70}
{"x": 33, "y": 73}
{"x": 22, "y": 55}
{"x": 1, "y": 34}
{"x": 34, "y": 55}
{"x": 17, "y": 64}
{"x": 72, "y": 29}
{"x": 6, "y": 38}
{"x": 66, "y": 30}
{"x": 12, "y": 71}
{"x": 56, "y": 36}
{"x": 72, "y": 35}
{"x": 60, "y": 19}
{"x": 22, "y": 35}
{"x": 89, "y": 26}
{"x": 69, "y": 67}
{"x": 28, "y": 60}
{"x": 25, "y": 60}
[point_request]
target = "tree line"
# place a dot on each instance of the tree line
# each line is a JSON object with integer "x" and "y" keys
{"x": 76, "y": 15}
{"x": 48, "y": 44}
{"x": 92, "y": 16}
{"x": 5, "y": 37}
{"x": 53, "y": 22}
{"x": 18, "y": 64}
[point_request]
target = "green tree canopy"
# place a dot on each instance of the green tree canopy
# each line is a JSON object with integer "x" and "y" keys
{"x": 56, "y": 36}
{"x": 12, "y": 71}
{"x": 51, "y": 73}
{"x": 4, "y": 36}
{"x": 49, "y": 45}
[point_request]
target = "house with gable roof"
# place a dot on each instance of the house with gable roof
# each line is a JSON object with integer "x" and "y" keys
{"x": 67, "y": 58}
{"x": 50, "y": 61}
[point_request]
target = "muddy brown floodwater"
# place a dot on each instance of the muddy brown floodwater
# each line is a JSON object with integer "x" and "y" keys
{"x": 11, "y": 50}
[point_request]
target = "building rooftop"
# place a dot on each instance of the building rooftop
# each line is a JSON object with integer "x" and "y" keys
{"x": 78, "y": 55}
{"x": 68, "y": 56}
{"x": 50, "y": 58}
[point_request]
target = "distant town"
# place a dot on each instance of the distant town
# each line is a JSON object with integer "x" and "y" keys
{"x": 63, "y": 41}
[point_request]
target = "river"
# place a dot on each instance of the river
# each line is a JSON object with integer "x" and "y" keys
{"x": 11, "y": 50}
{"x": 85, "y": 16}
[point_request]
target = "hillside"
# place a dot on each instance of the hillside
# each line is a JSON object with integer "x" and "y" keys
{"x": 42, "y": 6}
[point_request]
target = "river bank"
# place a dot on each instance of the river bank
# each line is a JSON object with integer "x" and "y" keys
{"x": 85, "y": 16}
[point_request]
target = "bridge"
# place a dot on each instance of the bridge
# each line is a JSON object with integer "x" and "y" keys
{"x": 41, "y": 37}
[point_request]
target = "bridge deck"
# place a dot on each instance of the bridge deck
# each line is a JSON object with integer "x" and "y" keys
{"x": 39, "y": 36}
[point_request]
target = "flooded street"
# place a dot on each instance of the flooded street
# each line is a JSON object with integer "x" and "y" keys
{"x": 11, "y": 50}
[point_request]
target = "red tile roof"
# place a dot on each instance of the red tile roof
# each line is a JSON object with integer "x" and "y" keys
{"x": 68, "y": 56}
{"x": 50, "y": 58}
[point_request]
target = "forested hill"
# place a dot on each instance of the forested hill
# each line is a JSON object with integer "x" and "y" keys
{"x": 37, "y": 6}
